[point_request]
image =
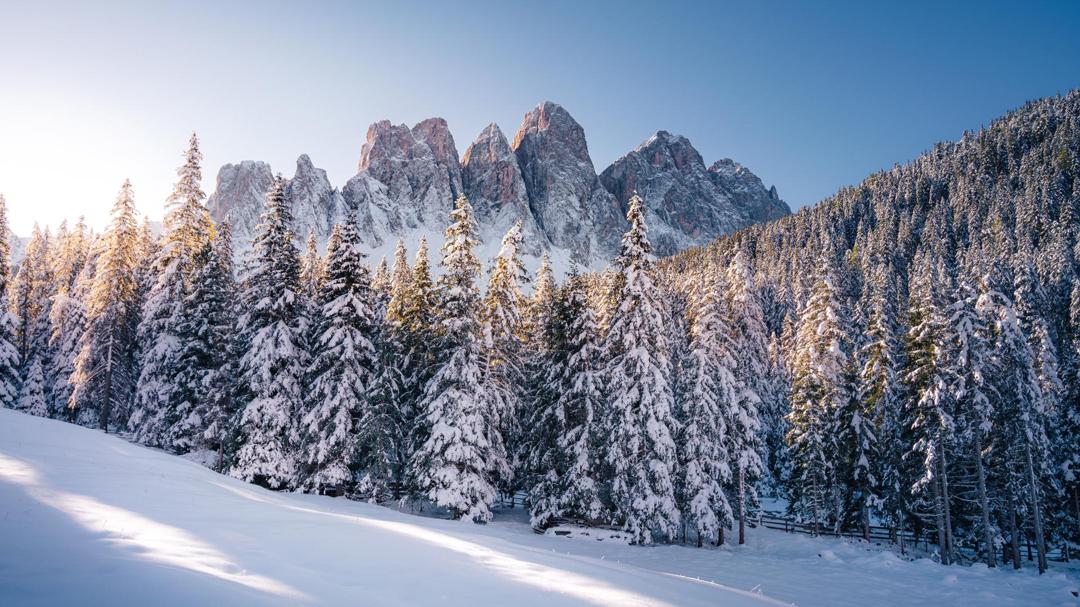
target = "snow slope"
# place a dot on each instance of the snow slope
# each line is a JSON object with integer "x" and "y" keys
{"x": 90, "y": 519}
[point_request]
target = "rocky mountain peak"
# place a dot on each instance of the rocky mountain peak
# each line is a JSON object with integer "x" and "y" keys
{"x": 565, "y": 195}
{"x": 436, "y": 134}
{"x": 240, "y": 194}
{"x": 492, "y": 180}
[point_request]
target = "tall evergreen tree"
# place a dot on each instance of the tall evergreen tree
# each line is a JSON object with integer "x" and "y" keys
{"x": 341, "y": 373}
{"x": 104, "y": 376}
{"x": 9, "y": 352}
{"x": 640, "y": 400}
{"x": 706, "y": 444}
{"x": 271, "y": 370}
{"x": 463, "y": 454}
{"x": 160, "y": 402}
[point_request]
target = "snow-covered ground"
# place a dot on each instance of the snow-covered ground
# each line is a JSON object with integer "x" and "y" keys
{"x": 89, "y": 519}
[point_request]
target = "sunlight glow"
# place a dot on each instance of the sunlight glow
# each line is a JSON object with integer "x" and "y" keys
{"x": 150, "y": 539}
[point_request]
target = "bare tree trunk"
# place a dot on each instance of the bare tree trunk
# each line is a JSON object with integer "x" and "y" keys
{"x": 945, "y": 502}
{"x": 814, "y": 503}
{"x": 939, "y": 518}
{"x": 720, "y": 536}
{"x": 1014, "y": 539}
{"x": 106, "y": 407}
{"x": 742, "y": 506}
{"x": 984, "y": 503}
{"x": 1036, "y": 510}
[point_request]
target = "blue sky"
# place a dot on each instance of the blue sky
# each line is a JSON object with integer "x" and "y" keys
{"x": 810, "y": 96}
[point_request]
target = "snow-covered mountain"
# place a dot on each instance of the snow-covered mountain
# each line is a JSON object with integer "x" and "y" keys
{"x": 407, "y": 179}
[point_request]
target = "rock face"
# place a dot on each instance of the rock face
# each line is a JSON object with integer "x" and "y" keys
{"x": 565, "y": 196}
{"x": 317, "y": 206}
{"x": 748, "y": 192}
{"x": 687, "y": 204}
{"x": 492, "y": 180}
{"x": 408, "y": 179}
{"x": 240, "y": 197}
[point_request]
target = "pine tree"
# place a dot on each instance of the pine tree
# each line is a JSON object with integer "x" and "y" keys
{"x": 463, "y": 454}
{"x": 564, "y": 422}
{"x": 819, "y": 393}
{"x": 411, "y": 315}
{"x": 271, "y": 370}
{"x": 32, "y": 291}
{"x": 67, "y": 314}
{"x": 160, "y": 401}
{"x": 881, "y": 395}
{"x": 104, "y": 375}
{"x": 640, "y": 400}
{"x": 930, "y": 408}
{"x": 202, "y": 356}
{"x": 9, "y": 353}
{"x": 32, "y": 397}
{"x": 968, "y": 352}
{"x": 750, "y": 345}
{"x": 341, "y": 370}
{"x": 706, "y": 442}
{"x": 503, "y": 334}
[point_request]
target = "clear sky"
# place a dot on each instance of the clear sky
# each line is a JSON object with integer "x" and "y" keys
{"x": 811, "y": 96}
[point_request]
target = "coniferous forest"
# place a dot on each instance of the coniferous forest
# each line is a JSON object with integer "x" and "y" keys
{"x": 905, "y": 353}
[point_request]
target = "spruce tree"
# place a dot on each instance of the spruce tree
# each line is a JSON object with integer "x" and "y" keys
{"x": 751, "y": 357}
{"x": 104, "y": 375}
{"x": 564, "y": 421}
{"x": 340, "y": 375}
{"x": 271, "y": 370}
{"x": 9, "y": 352}
{"x": 640, "y": 403}
{"x": 503, "y": 334}
{"x": 706, "y": 442}
{"x": 463, "y": 454}
{"x": 160, "y": 401}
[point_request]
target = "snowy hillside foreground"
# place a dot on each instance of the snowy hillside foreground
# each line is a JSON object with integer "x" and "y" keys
{"x": 89, "y": 519}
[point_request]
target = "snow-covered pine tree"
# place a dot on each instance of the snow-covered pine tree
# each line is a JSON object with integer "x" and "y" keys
{"x": 412, "y": 314}
{"x": 32, "y": 395}
{"x": 819, "y": 392}
{"x": 503, "y": 332}
{"x": 930, "y": 406}
{"x": 203, "y": 353}
{"x": 312, "y": 268}
{"x": 67, "y": 315}
{"x": 463, "y": 455}
{"x": 9, "y": 352}
{"x": 160, "y": 402}
{"x": 562, "y": 465}
{"x": 271, "y": 370}
{"x": 968, "y": 351}
{"x": 640, "y": 403}
{"x": 32, "y": 290}
{"x": 104, "y": 375}
{"x": 751, "y": 356}
{"x": 881, "y": 396}
{"x": 216, "y": 292}
{"x": 340, "y": 376}
{"x": 706, "y": 444}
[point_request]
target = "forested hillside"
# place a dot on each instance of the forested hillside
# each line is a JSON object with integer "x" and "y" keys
{"x": 927, "y": 322}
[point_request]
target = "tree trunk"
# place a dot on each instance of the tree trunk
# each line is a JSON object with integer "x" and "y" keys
{"x": 742, "y": 506}
{"x": 814, "y": 503}
{"x": 945, "y": 502}
{"x": 720, "y": 536}
{"x": 106, "y": 407}
{"x": 1036, "y": 510}
{"x": 939, "y": 519}
{"x": 984, "y": 503}
{"x": 1014, "y": 535}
